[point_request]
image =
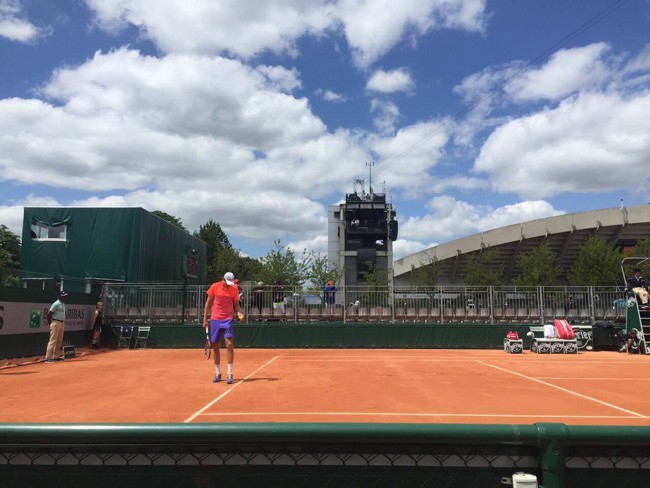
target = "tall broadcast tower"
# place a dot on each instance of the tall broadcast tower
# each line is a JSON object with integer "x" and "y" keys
{"x": 360, "y": 234}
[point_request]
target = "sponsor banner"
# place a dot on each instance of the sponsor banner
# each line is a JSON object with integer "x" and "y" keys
{"x": 584, "y": 337}
{"x": 25, "y": 318}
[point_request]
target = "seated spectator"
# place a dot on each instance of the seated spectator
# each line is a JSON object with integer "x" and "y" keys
{"x": 639, "y": 286}
{"x": 258, "y": 297}
{"x": 632, "y": 342}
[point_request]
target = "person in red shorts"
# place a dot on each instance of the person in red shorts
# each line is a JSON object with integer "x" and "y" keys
{"x": 223, "y": 296}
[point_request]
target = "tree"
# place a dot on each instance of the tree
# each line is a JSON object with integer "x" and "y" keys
{"x": 376, "y": 278}
{"x": 217, "y": 242}
{"x": 319, "y": 273}
{"x": 642, "y": 249}
{"x": 482, "y": 269}
{"x": 170, "y": 218}
{"x": 9, "y": 257}
{"x": 538, "y": 268}
{"x": 426, "y": 275}
{"x": 597, "y": 263}
{"x": 281, "y": 264}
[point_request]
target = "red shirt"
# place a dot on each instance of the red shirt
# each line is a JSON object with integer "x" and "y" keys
{"x": 224, "y": 298}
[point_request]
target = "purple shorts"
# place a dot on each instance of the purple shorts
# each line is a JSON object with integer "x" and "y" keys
{"x": 221, "y": 328}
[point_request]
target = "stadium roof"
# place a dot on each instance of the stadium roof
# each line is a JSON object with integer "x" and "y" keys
{"x": 564, "y": 234}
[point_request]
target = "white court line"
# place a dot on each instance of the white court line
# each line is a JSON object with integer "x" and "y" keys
{"x": 394, "y": 414}
{"x": 563, "y": 389}
{"x": 231, "y": 388}
{"x": 586, "y": 379}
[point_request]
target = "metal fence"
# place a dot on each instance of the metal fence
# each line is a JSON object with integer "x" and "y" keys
{"x": 176, "y": 304}
{"x": 322, "y": 455}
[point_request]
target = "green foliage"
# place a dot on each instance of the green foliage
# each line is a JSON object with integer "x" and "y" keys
{"x": 281, "y": 264}
{"x": 482, "y": 269}
{"x": 427, "y": 274}
{"x": 9, "y": 257}
{"x": 597, "y": 263}
{"x": 319, "y": 273}
{"x": 221, "y": 255}
{"x": 538, "y": 268}
{"x": 170, "y": 218}
{"x": 642, "y": 249}
{"x": 376, "y": 278}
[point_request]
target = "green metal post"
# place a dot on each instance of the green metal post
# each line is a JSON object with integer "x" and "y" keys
{"x": 552, "y": 440}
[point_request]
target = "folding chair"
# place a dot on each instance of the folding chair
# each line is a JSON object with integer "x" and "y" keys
{"x": 141, "y": 337}
{"x": 124, "y": 338}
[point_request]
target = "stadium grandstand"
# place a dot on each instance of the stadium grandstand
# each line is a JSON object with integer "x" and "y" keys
{"x": 564, "y": 235}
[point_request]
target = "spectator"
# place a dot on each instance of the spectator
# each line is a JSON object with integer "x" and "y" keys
{"x": 329, "y": 293}
{"x": 278, "y": 297}
{"x": 258, "y": 297}
{"x": 56, "y": 318}
{"x": 619, "y": 305}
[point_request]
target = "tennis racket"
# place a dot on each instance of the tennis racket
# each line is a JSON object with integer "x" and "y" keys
{"x": 207, "y": 349}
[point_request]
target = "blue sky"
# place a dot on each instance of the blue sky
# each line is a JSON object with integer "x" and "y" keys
{"x": 260, "y": 114}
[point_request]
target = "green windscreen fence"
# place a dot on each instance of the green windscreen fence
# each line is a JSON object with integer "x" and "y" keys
{"x": 327, "y": 455}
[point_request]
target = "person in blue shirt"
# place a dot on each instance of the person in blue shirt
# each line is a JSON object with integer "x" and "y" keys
{"x": 56, "y": 319}
{"x": 329, "y": 293}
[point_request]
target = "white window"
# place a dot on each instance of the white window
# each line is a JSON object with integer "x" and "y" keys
{"x": 46, "y": 232}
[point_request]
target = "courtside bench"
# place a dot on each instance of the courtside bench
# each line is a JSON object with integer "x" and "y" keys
{"x": 513, "y": 346}
{"x": 544, "y": 345}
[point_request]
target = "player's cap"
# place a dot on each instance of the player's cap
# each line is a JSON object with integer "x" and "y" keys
{"x": 230, "y": 278}
{"x": 62, "y": 294}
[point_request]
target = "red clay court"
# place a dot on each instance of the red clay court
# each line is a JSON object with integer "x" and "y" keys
{"x": 325, "y": 385}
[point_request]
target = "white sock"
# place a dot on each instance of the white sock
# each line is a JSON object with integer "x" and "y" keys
{"x": 217, "y": 368}
{"x": 230, "y": 370}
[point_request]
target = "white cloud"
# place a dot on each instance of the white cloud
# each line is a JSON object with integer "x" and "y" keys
{"x": 387, "y": 115}
{"x": 12, "y": 26}
{"x": 450, "y": 218}
{"x": 567, "y": 71}
{"x": 590, "y": 143}
{"x": 409, "y": 155}
{"x": 331, "y": 96}
{"x": 402, "y": 248}
{"x": 12, "y": 215}
{"x": 246, "y": 29}
{"x": 373, "y": 27}
{"x": 397, "y": 80}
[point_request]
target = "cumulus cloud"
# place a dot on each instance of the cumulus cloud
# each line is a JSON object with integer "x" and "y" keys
{"x": 409, "y": 156}
{"x": 245, "y": 29}
{"x": 331, "y": 96}
{"x": 397, "y": 80}
{"x": 449, "y": 218}
{"x": 402, "y": 248}
{"x": 201, "y": 137}
{"x": 373, "y": 27}
{"x": 591, "y": 143}
{"x": 13, "y": 26}
{"x": 566, "y": 72}
{"x": 387, "y": 115}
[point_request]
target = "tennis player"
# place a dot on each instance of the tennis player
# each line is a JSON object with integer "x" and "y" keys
{"x": 222, "y": 297}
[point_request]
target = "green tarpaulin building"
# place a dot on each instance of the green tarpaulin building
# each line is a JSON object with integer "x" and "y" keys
{"x": 81, "y": 248}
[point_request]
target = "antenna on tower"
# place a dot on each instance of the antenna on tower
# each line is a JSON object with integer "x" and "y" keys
{"x": 370, "y": 165}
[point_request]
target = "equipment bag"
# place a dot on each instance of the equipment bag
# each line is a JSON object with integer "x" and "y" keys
{"x": 564, "y": 329}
